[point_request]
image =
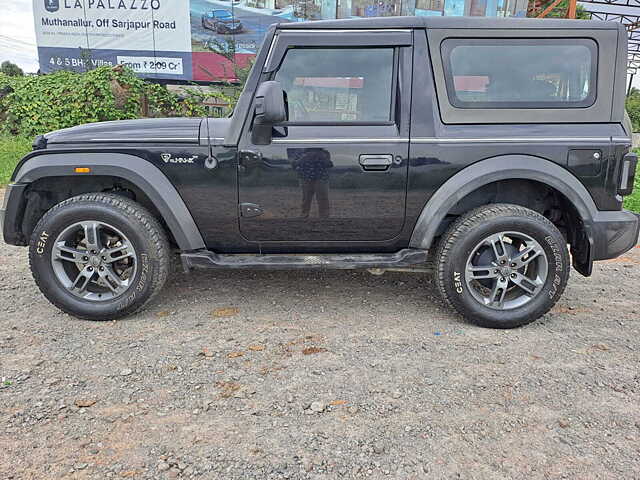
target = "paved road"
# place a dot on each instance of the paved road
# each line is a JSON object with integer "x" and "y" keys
{"x": 255, "y": 24}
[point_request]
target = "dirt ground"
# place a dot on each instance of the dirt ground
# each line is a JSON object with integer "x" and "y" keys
{"x": 319, "y": 375}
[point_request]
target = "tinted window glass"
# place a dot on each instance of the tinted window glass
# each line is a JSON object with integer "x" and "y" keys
{"x": 520, "y": 73}
{"x": 338, "y": 84}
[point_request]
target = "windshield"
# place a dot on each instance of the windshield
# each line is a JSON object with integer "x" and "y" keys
{"x": 221, "y": 14}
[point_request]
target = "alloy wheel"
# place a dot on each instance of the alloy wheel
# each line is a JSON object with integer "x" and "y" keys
{"x": 506, "y": 270}
{"x": 94, "y": 260}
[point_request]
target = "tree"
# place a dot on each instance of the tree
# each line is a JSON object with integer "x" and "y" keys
{"x": 11, "y": 69}
{"x": 559, "y": 11}
{"x": 632, "y": 104}
{"x": 582, "y": 13}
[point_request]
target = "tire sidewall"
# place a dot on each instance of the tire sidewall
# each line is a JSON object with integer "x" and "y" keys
{"x": 40, "y": 252}
{"x": 554, "y": 246}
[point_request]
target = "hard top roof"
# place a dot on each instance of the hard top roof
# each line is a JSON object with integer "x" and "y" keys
{"x": 452, "y": 22}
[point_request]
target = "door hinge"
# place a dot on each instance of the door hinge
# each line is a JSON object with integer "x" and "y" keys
{"x": 249, "y": 210}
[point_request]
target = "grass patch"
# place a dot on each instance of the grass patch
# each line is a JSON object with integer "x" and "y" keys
{"x": 632, "y": 202}
{"x": 12, "y": 149}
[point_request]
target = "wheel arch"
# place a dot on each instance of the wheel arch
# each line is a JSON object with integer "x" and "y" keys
{"x": 133, "y": 170}
{"x": 497, "y": 169}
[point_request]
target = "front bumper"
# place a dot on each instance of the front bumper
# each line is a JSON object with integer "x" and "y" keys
{"x": 614, "y": 233}
{"x": 11, "y": 214}
{"x": 230, "y": 28}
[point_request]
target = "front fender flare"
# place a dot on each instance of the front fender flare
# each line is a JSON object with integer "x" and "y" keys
{"x": 148, "y": 178}
{"x": 492, "y": 170}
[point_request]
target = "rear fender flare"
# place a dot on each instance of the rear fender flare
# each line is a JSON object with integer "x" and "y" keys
{"x": 494, "y": 169}
{"x": 138, "y": 171}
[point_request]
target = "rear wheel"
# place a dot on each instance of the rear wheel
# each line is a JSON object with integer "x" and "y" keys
{"x": 502, "y": 265}
{"x": 99, "y": 256}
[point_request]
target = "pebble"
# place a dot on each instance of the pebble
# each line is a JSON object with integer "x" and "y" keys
{"x": 317, "y": 407}
{"x": 173, "y": 473}
{"x": 381, "y": 423}
{"x": 307, "y": 464}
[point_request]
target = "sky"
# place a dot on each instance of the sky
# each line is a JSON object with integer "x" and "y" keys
{"x": 18, "y": 38}
{"x": 17, "y": 34}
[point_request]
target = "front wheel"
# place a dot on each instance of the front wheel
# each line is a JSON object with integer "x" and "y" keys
{"x": 99, "y": 256}
{"x": 502, "y": 265}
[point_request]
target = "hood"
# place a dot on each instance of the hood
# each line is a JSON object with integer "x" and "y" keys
{"x": 148, "y": 130}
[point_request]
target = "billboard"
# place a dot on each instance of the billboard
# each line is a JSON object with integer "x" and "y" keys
{"x": 152, "y": 36}
{"x": 201, "y": 40}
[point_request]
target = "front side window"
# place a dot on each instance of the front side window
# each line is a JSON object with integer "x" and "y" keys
{"x": 520, "y": 73}
{"x": 333, "y": 85}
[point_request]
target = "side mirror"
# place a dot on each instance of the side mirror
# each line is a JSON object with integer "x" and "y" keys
{"x": 269, "y": 110}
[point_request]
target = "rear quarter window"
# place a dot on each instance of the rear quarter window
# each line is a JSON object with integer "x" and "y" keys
{"x": 486, "y": 73}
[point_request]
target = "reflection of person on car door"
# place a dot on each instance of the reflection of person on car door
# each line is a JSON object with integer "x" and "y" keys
{"x": 313, "y": 172}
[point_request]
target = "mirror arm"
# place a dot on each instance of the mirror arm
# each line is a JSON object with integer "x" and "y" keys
{"x": 261, "y": 131}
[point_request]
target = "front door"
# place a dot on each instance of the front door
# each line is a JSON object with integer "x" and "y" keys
{"x": 337, "y": 169}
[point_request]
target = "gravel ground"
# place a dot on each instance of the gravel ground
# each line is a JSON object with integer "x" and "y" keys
{"x": 335, "y": 374}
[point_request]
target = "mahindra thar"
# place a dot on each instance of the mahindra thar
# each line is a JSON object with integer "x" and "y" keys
{"x": 496, "y": 151}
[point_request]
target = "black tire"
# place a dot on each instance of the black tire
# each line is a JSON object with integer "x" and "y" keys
{"x": 143, "y": 232}
{"x": 462, "y": 242}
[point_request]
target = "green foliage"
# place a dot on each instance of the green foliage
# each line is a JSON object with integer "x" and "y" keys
{"x": 582, "y": 13}
{"x": 560, "y": 10}
{"x": 227, "y": 49}
{"x": 34, "y": 105}
{"x": 632, "y": 104}
{"x": 11, "y": 69}
{"x": 632, "y": 202}
{"x": 12, "y": 149}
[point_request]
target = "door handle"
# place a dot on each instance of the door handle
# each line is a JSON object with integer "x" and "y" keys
{"x": 376, "y": 163}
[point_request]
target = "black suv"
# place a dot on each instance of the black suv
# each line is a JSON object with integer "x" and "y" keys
{"x": 484, "y": 147}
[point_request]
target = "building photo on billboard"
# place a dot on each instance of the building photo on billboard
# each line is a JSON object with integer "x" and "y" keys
{"x": 203, "y": 40}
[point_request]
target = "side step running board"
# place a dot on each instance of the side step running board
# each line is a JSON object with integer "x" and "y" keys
{"x": 207, "y": 259}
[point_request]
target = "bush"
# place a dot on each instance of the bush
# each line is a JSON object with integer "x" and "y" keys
{"x": 632, "y": 104}
{"x": 34, "y": 105}
{"x": 12, "y": 149}
{"x": 11, "y": 69}
{"x": 632, "y": 202}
